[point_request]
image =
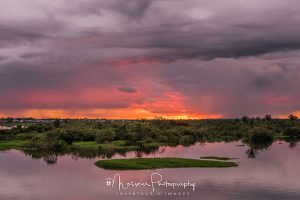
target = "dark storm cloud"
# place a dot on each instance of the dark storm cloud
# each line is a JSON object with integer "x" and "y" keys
{"x": 131, "y": 9}
{"x": 237, "y": 87}
{"x": 10, "y": 36}
{"x": 127, "y": 89}
{"x": 169, "y": 38}
{"x": 230, "y": 58}
{"x": 2, "y": 58}
{"x": 211, "y": 32}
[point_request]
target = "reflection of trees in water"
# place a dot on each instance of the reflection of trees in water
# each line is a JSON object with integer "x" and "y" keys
{"x": 261, "y": 145}
{"x": 251, "y": 153}
{"x": 202, "y": 143}
{"x": 257, "y": 141}
{"x": 138, "y": 154}
{"x": 50, "y": 159}
{"x": 256, "y": 147}
{"x": 161, "y": 150}
{"x": 146, "y": 151}
{"x": 292, "y": 145}
{"x": 292, "y": 141}
{"x": 93, "y": 153}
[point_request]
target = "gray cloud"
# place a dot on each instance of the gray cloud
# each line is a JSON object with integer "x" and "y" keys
{"x": 11, "y": 36}
{"x": 252, "y": 86}
{"x": 168, "y": 30}
{"x": 127, "y": 89}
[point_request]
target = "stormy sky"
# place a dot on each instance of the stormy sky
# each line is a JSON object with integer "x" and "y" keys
{"x": 146, "y": 58}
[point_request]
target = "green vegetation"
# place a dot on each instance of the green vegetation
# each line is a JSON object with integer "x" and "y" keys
{"x": 216, "y": 158}
{"x": 157, "y": 163}
{"x": 292, "y": 132}
{"x": 259, "y": 138}
{"x": 115, "y": 145}
{"x": 106, "y": 137}
{"x": 12, "y": 144}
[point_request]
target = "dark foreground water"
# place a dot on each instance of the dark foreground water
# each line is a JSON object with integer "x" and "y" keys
{"x": 269, "y": 174}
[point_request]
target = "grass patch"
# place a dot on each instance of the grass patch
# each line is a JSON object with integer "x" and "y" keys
{"x": 116, "y": 145}
{"x": 120, "y": 142}
{"x": 157, "y": 163}
{"x": 86, "y": 145}
{"x": 153, "y": 145}
{"x": 216, "y": 158}
{"x": 13, "y": 144}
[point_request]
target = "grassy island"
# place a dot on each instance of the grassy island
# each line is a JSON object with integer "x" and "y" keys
{"x": 216, "y": 158}
{"x": 158, "y": 163}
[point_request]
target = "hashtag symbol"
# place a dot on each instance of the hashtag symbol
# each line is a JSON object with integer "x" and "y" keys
{"x": 108, "y": 183}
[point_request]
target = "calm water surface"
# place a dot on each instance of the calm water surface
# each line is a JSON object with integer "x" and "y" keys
{"x": 273, "y": 174}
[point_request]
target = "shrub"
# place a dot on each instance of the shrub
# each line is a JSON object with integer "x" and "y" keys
{"x": 105, "y": 136}
{"x": 260, "y": 134}
{"x": 48, "y": 141}
{"x": 187, "y": 140}
{"x": 163, "y": 139}
{"x": 260, "y": 138}
{"x": 293, "y": 117}
{"x": 67, "y": 136}
{"x": 292, "y": 132}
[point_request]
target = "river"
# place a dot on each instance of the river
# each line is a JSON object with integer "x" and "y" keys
{"x": 272, "y": 173}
